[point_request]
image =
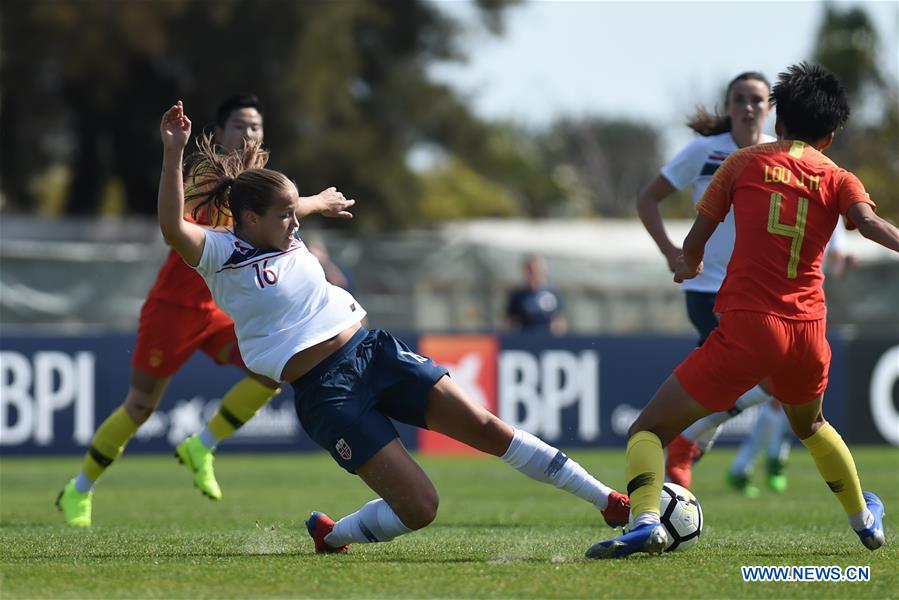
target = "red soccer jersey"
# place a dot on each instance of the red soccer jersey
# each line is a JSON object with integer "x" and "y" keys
{"x": 177, "y": 283}
{"x": 786, "y": 197}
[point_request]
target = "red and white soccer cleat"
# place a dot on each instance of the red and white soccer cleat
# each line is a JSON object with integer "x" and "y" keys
{"x": 618, "y": 512}
{"x": 319, "y": 525}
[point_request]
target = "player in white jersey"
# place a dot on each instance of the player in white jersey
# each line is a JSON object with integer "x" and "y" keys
{"x": 746, "y": 109}
{"x": 293, "y": 326}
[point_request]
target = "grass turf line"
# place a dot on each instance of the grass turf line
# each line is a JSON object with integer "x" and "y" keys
{"x": 497, "y": 535}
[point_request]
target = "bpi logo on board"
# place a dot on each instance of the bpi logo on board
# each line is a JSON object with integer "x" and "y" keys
{"x": 34, "y": 388}
{"x": 529, "y": 390}
{"x": 534, "y": 389}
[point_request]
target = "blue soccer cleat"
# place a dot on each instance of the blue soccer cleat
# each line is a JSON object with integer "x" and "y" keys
{"x": 872, "y": 537}
{"x": 649, "y": 537}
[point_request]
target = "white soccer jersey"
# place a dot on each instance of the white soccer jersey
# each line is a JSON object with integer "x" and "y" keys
{"x": 695, "y": 165}
{"x": 279, "y": 300}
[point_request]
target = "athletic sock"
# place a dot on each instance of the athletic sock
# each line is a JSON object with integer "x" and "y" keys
{"x": 108, "y": 443}
{"x": 645, "y": 473}
{"x": 834, "y": 462}
{"x": 83, "y": 483}
{"x": 861, "y": 520}
{"x": 238, "y": 406}
{"x": 208, "y": 439}
{"x": 647, "y": 518}
{"x": 704, "y": 431}
{"x": 757, "y": 437}
{"x": 374, "y": 522}
{"x": 781, "y": 439}
{"x": 538, "y": 460}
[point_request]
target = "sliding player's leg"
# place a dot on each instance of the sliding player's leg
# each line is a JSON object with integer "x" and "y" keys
{"x": 338, "y": 404}
{"x": 407, "y": 502}
{"x": 452, "y": 413}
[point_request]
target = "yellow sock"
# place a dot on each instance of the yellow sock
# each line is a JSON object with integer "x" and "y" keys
{"x": 108, "y": 443}
{"x": 239, "y": 405}
{"x": 644, "y": 472}
{"x": 834, "y": 462}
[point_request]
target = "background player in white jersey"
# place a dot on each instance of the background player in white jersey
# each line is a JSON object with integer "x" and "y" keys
{"x": 746, "y": 109}
{"x": 293, "y": 326}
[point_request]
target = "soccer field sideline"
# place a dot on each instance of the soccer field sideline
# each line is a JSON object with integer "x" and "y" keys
{"x": 497, "y": 535}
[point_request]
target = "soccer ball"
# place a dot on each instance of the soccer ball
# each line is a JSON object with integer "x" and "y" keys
{"x": 681, "y": 516}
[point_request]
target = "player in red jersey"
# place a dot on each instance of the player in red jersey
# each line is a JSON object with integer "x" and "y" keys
{"x": 177, "y": 319}
{"x": 786, "y": 197}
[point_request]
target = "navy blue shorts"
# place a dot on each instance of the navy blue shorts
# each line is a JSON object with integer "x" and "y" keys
{"x": 701, "y": 311}
{"x": 345, "y": 403}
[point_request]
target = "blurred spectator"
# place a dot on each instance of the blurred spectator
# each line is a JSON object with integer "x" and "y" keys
{"x": 536, "y": 306}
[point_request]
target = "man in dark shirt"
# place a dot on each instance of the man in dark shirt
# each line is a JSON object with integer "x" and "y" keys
{"x": 535, "y": 307}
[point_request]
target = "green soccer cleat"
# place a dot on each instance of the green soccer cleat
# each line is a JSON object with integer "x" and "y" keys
{"x": 777, "y": 481}
{"x": 193, "y": 454}
{"x": 742, "y": 484}
{"x": 75, "y": 506}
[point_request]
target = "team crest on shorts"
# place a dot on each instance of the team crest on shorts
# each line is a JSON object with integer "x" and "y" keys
{"x": 343, "y": 449}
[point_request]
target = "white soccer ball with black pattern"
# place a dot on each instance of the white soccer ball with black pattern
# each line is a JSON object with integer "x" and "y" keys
{"x": 681, "y": 516}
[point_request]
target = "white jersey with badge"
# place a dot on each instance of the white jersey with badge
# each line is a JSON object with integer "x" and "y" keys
{"x": 695, "y": 165}
{"x": 279, "y": 300}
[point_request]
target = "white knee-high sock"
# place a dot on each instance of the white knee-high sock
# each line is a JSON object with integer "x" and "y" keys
{"x": 781, "y": 439}
{"x": 538, "y": 460}
{"x": 704, "y": 431}
{"x": 756, "y": 439}
{"x": 374, "y": 522}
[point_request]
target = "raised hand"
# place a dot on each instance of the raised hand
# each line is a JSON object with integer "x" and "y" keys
{"x": 175, "y": 127}
{"x": 333, "y": 204}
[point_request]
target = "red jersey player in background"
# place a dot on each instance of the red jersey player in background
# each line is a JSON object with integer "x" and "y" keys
{"x": 786, "y": 197}
{"x": 178, "y": 318}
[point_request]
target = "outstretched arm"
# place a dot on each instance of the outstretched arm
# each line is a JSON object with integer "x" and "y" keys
{"x": 329, "y": 203}
{"x": 186, "y": 238}
{"x": 689, "y": 265}
{"x": 873, "y": 227}
{"x": 648, "y": 208}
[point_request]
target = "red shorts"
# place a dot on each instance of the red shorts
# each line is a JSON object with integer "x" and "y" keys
{"x": 747, "y": 347}
{"x": 168, "y": 334}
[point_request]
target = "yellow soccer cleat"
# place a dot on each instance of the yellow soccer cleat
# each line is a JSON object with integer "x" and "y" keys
{"x": 193, "y": 454}
{"x": 75, "y": 506}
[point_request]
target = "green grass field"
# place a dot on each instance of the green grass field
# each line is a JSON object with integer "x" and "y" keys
{"x": 498, "y": 534}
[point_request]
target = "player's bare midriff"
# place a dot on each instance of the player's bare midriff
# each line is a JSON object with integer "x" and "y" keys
{"x": 304, "y": 361}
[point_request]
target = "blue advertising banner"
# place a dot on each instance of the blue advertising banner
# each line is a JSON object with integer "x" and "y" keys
{"x": 572, "y": 391}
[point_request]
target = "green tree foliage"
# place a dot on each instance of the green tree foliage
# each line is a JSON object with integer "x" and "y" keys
{"x": 453, "y": 190}
{"x": 603, "y": 161}
{"x": 848, "y": 45}
{"x": 344, "y": 85}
